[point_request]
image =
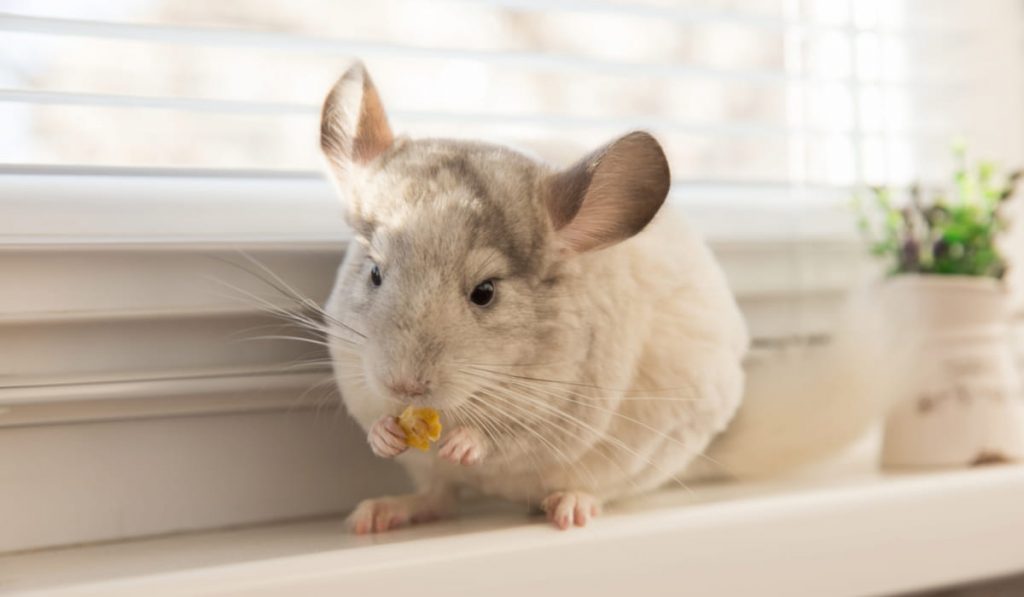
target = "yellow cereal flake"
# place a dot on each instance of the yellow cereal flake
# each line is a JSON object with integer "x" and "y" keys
{"x": 421, "y": 425}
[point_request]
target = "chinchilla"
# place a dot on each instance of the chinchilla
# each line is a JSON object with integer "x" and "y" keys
{"x": 578, "y": 338}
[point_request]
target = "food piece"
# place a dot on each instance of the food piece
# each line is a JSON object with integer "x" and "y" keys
{"x": 421, "y": 425}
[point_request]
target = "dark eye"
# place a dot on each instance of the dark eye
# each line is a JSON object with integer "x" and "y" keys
{"x": 483, "y": 294}
{"x": 375, "y": 276}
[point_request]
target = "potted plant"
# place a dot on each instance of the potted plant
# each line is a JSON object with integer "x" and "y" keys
{"x": 946, "y": 272}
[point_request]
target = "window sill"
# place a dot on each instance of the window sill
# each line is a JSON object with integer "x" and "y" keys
{"x": 129, "y": 313}
{"x": 795, "y": 538}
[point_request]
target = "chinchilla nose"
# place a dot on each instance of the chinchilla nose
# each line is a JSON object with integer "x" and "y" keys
{"x": 410, "y": 388}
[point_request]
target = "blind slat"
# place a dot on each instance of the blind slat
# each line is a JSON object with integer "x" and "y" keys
{"x": 509, "y": 59}
{"x": 777, "y": 22}
{"x": 559, "y": 121}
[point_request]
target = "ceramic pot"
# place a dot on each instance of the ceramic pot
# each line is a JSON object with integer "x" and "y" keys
{"x": 968, "y": 406}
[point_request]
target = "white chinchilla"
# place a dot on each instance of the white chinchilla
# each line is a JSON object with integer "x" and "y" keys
{"x": 580, "y": 342}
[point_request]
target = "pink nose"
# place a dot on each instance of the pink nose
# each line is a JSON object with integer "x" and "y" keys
{"x": 408, "y": 387}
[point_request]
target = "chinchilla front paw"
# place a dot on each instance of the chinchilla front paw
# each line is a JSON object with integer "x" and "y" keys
{"x": 386, "y": 438}
{"x": 463, "y": 446}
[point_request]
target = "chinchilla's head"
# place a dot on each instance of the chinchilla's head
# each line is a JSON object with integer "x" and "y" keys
{"x": 463, "y": 252}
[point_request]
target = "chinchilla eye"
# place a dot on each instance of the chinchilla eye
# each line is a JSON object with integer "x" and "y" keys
{"x": 375, "y": 276}
{"x": 483, "y": 294}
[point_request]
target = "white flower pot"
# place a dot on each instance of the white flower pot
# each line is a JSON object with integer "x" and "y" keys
{"x": 967, "y": 408}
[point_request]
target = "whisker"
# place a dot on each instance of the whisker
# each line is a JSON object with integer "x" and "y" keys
{"x": 635, "y": 421}
{"x": 513, "y": 419}
{"x": 299, "y": 402}
{"x": 284, "y": 289}
{"x": 541, "y": 420}
{"x": 323, "y": 364}
{"x": 292, "y": 317}
{"x": 281, "y": 337}
{"x": 561, "y": 458}
{"x": 593, "y": 447}
{"x": 568, "y": 383}
{"x": 607, "y": 437}
{"x": 275, "y": 281}
{"x": 501, "y": 432}
{"x": 515, "y": 365}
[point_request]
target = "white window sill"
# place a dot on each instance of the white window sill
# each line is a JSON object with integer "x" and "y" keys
{"x": 851, "y": 534}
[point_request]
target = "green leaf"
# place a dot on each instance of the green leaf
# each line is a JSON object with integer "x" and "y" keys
{"x": 941, "y": 236}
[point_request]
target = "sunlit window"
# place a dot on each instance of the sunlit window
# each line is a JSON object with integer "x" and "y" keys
{"x": 804, "y": 92}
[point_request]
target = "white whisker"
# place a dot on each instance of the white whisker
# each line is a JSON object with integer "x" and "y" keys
{"x": 600, "y": 434}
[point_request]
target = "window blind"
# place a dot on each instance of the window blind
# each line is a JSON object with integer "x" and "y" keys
{"x": 812, "y": 93}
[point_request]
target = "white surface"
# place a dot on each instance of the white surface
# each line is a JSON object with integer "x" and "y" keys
{"x": 48, "y": 208}
{"x": 854, "y": 536}
{"x": 47, "y": 405}
{"x": 98, "y": 481}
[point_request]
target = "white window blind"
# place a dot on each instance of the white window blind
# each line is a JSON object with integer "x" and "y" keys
{"x": 818, "y": 93}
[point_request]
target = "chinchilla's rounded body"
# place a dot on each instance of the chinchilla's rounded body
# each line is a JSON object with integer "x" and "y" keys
{"x": 578, "y": 347}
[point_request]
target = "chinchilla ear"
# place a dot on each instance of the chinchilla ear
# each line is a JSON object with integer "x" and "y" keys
{"x": 353, "y": 126}
{"x": 609, "y": 195}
